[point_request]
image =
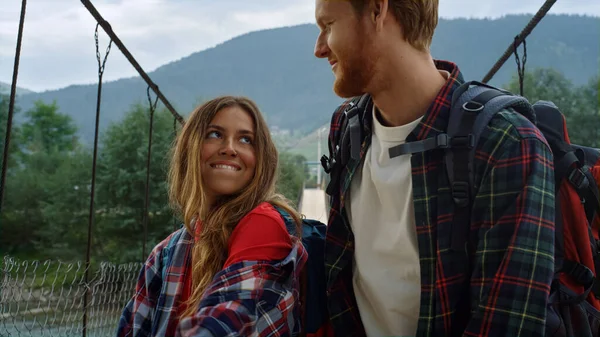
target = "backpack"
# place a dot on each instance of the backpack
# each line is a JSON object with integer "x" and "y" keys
{"x": 574, "y": 303}
{"x": 313, "y": 297}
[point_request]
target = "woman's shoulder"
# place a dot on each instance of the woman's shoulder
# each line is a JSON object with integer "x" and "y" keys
{"x": 178, "y": 237}
{"x": 265, "y": 209}
{"x": 263, "y": 218}
{"x": 261, "y": 235}
{"x": 175, "y": 243}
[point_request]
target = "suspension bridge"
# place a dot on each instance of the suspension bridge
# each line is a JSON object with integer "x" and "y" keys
{"x": 53, "y": 298}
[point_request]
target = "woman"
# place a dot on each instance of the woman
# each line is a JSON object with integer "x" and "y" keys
{"x": 234, "y": 268}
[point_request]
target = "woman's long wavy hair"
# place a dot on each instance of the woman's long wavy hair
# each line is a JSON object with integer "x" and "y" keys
{"x": 188, "y": 199}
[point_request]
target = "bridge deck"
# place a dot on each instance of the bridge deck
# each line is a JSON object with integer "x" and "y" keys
{"x": 314, "y": 204}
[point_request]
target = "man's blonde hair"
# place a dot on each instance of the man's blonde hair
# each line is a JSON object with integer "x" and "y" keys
{"x": 418, "y": 19}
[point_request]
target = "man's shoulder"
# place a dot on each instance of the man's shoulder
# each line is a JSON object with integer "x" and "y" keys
{"x": 339, "y": 110}
{"x": 339, "y": 113}
{"x": 510, "y": 127}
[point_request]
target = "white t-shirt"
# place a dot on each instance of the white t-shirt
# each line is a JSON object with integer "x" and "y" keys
{"x": 387, "y": 279}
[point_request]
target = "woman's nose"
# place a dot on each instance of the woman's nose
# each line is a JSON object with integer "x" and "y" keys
{"x": 228, "y": 149}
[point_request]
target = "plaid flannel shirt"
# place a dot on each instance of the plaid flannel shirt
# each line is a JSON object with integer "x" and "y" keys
{"x": 512, "y": 229}
{"x": 247, "y": 298}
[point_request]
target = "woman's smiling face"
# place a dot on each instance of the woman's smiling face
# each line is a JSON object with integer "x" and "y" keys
{"x": 228, "y": 157}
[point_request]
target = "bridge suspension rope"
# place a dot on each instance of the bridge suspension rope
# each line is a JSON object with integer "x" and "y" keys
{"x": 175, "y": 138}
{"x": 149, "y": 155}
{"x": 107, "y": 28}
{"x": 520, "y": 66}
{"x": 11, "y": 104}
{"x": 519, "y": 39}
{"x": 101, "y": 67}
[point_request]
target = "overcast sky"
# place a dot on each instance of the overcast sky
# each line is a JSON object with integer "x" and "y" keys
{"x": 58, "y": 43}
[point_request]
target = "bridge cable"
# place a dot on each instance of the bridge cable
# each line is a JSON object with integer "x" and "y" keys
{"x": 101, "y": 66}
{"x": 520, "y": 38}
{"x": 11, "y": 104}
{"x": 175, "y": 139}
{"x": 107, "y": 28}
{"x": 520, "y": 67}
{"x": 149, "y": 155}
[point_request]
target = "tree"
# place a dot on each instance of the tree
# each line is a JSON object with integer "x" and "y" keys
{"x": 65, "y": 209}
{"x": 578, "y": 104}
{"x": 31, "y": 188}
{"x": 9, "y": 235}
{"x": 586, "y": 120}
{"x": 4, "y": 101}
{"x": 47, "y": 129}
{"x": 122, "y": 181}
{"x": 291, "y": 175}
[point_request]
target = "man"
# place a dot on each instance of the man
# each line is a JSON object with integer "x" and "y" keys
{"x": 390, "y": 270}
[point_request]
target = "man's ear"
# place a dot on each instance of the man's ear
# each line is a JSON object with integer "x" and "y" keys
{"x": 379, "y": 11}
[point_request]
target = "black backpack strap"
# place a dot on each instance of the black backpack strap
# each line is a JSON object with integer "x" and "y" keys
{"x": 592, "y": 204}
{"x": 474, "y": 105}
{"x": 443, "y": 140}
{"x": 347, "y": 143}
{"x": 355, "y": 117}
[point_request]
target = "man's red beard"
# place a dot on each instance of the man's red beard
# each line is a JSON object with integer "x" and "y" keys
{"x": 354, "y": 71}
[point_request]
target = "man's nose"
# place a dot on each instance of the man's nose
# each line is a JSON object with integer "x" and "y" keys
{"x": 321, "y": 48}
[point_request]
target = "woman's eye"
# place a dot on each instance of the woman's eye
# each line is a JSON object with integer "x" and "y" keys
{"x": 246, "y": 140}
{"x": 213, "y": 134}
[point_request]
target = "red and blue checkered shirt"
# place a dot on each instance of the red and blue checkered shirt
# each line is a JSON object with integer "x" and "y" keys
{"x": 512, "y": 229}
{"x": 255, "y": 298}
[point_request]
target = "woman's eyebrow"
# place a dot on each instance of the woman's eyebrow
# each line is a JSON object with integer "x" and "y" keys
{"x": 214, "y": 126}
{"x": 240, "y": 131}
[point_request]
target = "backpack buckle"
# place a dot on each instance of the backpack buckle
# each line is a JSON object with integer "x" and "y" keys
{"x": 327, "y": 163}
{"x": 463, "y": 142}
{"x": 581, "y": 274}
{"x": 442, "y": 141}
{"x": 578, "y": 179}
{"x": 460, "y": 193}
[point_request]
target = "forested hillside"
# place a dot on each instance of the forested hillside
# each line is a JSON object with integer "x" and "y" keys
{"x": 277, "y": 68}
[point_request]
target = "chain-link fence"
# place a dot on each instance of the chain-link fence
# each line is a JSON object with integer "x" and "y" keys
{"x": 47, "y": 298}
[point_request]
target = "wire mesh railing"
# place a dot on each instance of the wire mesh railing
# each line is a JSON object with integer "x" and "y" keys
{"x": 47, "y": 298}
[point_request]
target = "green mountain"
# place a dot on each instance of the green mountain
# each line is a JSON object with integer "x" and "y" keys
{"x": 5, "y": 90}
{"x": 277, "y": 69}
